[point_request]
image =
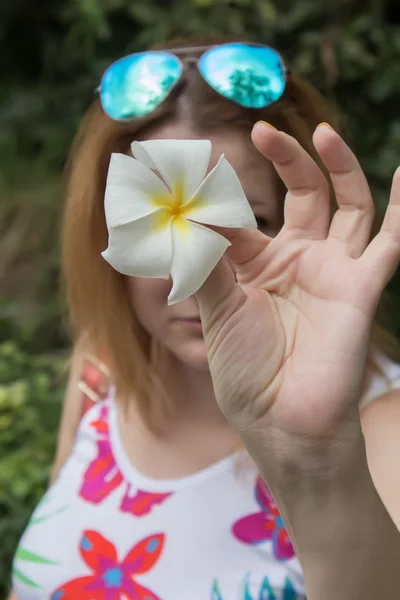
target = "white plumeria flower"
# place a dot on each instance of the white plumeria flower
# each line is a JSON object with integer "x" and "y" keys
{"x": 153, "y": 226}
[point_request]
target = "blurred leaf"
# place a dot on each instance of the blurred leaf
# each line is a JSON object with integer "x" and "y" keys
{"x": 267, "y": 11}
{"x": 31, "y": 388}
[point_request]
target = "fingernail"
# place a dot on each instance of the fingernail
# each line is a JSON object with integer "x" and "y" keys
{"x": 265, "y": 123}
{"x": 326, "y": 125}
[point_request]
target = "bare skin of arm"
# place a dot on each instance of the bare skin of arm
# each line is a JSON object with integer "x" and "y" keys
{"x": 381, "y": 423}
{"x": 70, "y": 417}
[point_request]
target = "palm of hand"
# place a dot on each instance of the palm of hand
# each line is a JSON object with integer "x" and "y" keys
{"x": 299, "y": 313}
{"x": 289, "y": 342}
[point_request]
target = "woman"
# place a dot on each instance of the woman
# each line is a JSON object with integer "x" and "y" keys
{"x": 154, "y": 498}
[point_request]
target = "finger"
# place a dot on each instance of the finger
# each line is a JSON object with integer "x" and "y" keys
{"x": 307, "y": 201}
{"x": 246, "y": 251}
{"x": 219, "y": 297}
{"x": 246, "y": 243}
{"x": 382, "y": 255}
{"x": 352, "y": 223}
{"x": 247, "y": 246}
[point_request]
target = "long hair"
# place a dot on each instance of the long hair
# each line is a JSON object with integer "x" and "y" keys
{"x": 98, "y": 303}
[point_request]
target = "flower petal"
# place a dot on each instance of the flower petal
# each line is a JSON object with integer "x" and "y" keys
{"x": 97, "y": 552}
{"x": 220, "y": 200}
{"x": 195, "y": 252}
{"x": 142, "y": 248}
{"x": 74, "y": 589}
{"x": 102, "y": 476}
{"x": 139, "y": 502}
{"x": 181, "y": 163}
{"x": 142, "y": 557}
{"x": 253, "y": 529}
{"x": 142, "y": 155}
{"x": 281, "y": 545}
{"x": 130, "y": 190}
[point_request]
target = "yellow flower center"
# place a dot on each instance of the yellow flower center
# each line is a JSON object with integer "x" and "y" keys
{"x": 175, "y": 208}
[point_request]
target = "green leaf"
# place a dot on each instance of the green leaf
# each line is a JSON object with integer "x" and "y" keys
{"x": 267, "y": 11}
{"x": 24, "y": 554}
{"x": 21, "y": 577}
{"x": 41, "y": 519}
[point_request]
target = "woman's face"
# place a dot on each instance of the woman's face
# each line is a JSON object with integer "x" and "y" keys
{"x": 178, "y": 327}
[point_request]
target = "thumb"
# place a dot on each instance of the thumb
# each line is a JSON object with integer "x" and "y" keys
{"x": 246, "y": 248}
{"x": 219, "y": 295}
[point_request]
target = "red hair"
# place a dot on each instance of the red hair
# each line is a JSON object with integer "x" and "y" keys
{"x": 98, "y": 303}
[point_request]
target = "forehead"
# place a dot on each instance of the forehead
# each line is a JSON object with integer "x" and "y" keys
{"x": 256, "y": 174}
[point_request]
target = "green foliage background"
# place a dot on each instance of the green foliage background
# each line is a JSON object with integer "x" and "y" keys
{"x": 52, "y": 54}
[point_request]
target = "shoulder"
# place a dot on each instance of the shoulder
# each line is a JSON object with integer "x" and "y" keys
{"x": 385, "y": 407}
{"x": 380, "y": 409}
{"x": 381, "y": 425}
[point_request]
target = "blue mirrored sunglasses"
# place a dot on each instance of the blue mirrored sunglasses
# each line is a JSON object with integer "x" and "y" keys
{"x": 251, "y": 75}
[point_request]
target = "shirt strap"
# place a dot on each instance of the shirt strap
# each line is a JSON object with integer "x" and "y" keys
{"x": 94, "y": 382}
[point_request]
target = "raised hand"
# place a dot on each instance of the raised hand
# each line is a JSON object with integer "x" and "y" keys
{"x": 287, "y": 337}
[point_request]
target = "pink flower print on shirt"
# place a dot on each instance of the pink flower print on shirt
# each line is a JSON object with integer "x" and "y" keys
{"x": 141, "y": 502}
{"x": 112, "y": 579}
{"x": 101, "y": 423}
{"x": 103, "y": 476}
{"x": 264, "y": 525}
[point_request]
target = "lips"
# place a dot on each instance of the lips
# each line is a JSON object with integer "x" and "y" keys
{"x": 192, "y": 323}
{"x": 190, "y": 319}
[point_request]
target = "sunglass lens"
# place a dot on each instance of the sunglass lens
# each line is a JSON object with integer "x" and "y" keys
{"x": 135, "y": 85}
{"x": 252, "y": 76}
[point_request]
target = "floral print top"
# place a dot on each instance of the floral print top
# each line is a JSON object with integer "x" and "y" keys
{"x": 104, "y": 531}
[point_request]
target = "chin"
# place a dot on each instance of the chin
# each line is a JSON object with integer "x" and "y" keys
{"x": 193, "y": 354}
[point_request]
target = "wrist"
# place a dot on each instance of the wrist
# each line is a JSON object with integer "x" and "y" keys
{"x": 356, "y": 539}
{"x": 320, "y": 476}
{"x": 299, "y": 468}
{"x": 337, "y": 522}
